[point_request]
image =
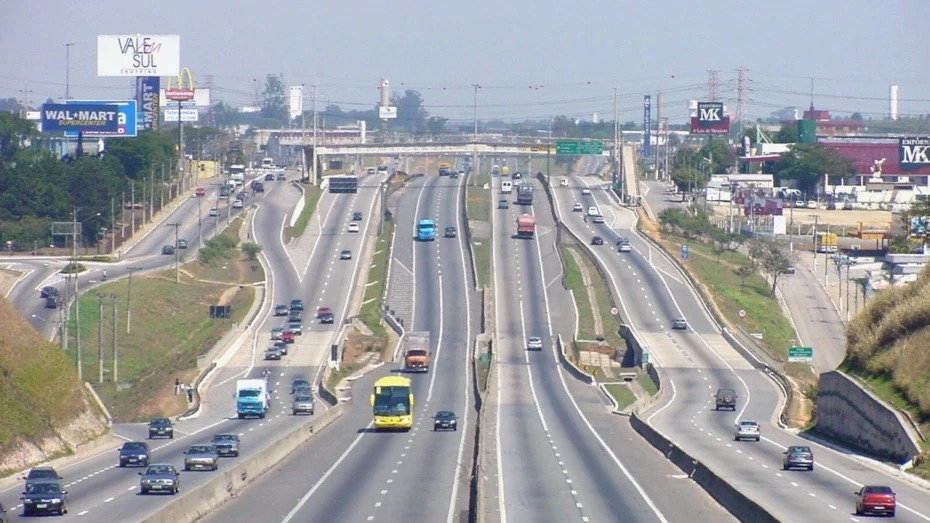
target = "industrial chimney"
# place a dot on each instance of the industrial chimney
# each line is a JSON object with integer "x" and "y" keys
{"x": 893, "y": 102}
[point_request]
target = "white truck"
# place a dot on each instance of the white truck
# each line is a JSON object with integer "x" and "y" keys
{"x": 252, "y": 398}
{"x": 237, "y": 174}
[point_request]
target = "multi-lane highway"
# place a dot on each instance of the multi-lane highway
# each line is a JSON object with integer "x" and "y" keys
{"x": 350, "y": 473}
{"x": 309, "y": 268}
{"x": 697, "y": 361}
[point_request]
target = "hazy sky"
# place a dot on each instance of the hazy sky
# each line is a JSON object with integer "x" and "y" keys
{"x": 533, "y": 59}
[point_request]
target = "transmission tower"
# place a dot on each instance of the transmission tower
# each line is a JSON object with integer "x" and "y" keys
{"x": 713, "y": 81}
{"x": 25, "y": 91}
{"x": 208, "y": 83}
{"x": 740, "y": 107}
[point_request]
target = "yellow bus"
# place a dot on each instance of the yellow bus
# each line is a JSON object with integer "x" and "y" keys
{"x": 392, "y": 403}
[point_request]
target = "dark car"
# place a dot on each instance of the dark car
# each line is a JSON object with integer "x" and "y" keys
{"x": 297, "y": 305}
{"x": 243, "y": 195}
{"x": 725, "y": 399}
{"x": 45, "y": 498}
{"x": 48, "y": 291}
{"x": 798, "y": 456}
{"x": 167, "y": 249}
{"x": 272, "y": 354}
{"x": 445, "y": 420}
{"x": 450, "y": 232}
{"x": 876, "y": 499}
{"x": 259, "y": 187}
{"x": 597, "y": 240}
{"x": 281, "y": 346}
{"x": 160, "y": 478}
{"x": 325, "y": 315}
{"x": 134, "y": 453}
{"x": 226, "y": 444}
{"x": 503, "y": 204}
{"x": 356, "y": 216}
{"x": 42, "y": 475}
{"x": 269, "y": 177}
{"x": 161, "y": 428}
{"x": 182, "y": 244}
{"x": 53, "y": 302}
{"x": 294, "y": 316}
{"x": 281, "y": 310}
{"x": 299, "y": 383}
{"x": 346, "y": 254}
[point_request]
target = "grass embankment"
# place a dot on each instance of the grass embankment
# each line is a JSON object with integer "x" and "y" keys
{"x": 574, "y": 280}
{"x": 621, "y": 394}
{"x": 38, "y": 384}
{"x": 887, "y": 349}
{"x": 647, "y": 384}
{"x": 478, "y": 207}
{"x": 372, "y": 304}
{"x": 312, "y": 196}
{"x": 170, "y": 328}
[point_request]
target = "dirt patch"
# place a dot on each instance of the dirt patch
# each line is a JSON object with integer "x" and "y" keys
{"x": 359, "y": 347}
{"x": 228, "y": 296}
{"x": 8, "y": 279}
{"x": 597, "y": 347}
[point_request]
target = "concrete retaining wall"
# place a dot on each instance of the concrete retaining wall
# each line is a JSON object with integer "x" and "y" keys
{"x": 634, "y": 346}
{"x": 851, "y": 414}
{"x": 572, "y": 369}
{"x": 190, "y": 506}
{"x": 299, "y": 208}
{"x": 740, "y": 506}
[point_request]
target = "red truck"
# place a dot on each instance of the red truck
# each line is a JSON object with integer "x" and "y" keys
{"x": 526, "y": 226}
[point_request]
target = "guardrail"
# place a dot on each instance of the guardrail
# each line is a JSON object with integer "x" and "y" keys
{"x": 194, "y": 504}
{"x": 558, "y": 223}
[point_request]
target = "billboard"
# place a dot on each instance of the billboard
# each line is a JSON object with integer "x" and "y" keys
{"x": 138, "y": 55}
{"x": 201, "y": 99}
{"x": 913, "y": 152}
{"x": 387, "y": 113}
{"x": 710, "y": 119}
{"x": 187, "y": 114}
{"x": 147, "y": 101}
{"x": 92, "y": 117}
{"x": 126, "y": 118}
{"x": 295, "y": 102}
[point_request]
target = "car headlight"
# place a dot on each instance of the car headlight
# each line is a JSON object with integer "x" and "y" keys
{"x": 142, "y": 456}
{"x": 56, "y": 500}
{"x": 27, "y": 501}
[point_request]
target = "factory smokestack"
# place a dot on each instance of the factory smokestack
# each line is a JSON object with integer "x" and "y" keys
{"x": 893, "y": 102}
{"x": 385, "y": 93}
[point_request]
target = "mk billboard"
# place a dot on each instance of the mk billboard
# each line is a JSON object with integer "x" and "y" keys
{"x": 710, "y": 119}
{"x": 913, "y": 152}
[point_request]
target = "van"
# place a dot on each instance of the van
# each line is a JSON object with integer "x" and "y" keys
{"x": 506, "y": 187}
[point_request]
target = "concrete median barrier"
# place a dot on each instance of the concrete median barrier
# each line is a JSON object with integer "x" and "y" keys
{"x": 735, "y": 502}
{"x": 194, "y": 504}
{"x": 572, "y": 369}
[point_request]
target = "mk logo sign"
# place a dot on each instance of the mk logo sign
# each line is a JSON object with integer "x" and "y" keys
{"x": 710, "y": 112}
{"x": 914, "y": 152}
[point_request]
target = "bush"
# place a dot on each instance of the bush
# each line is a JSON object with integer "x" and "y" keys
{"x": 219, "y": 248}
{"x": 251, "y": 250}
{"x": 72, "y": 268}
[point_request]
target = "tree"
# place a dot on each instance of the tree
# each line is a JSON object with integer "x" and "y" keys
{"x": 807, "y": 163}
{"x": 773, "y": 260}
{"x": 411, "y": 116}
{"x": 436, "y": 125}
{"x": 787, "y": 134}
{"x": 856, "y": 116}
{"x": 743, "y": 272}
{"x": 274, "y": 99}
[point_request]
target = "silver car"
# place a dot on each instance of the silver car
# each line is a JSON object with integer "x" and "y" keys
{"x": 534, "y": 343}
{"x": 201, "y": 457}
{"x": 747, "y": 429}
{"x": 302, "y": 403}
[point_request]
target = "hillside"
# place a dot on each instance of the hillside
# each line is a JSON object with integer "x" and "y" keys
{"x": 44, "y": 411}
{"x": 887, "y": 345}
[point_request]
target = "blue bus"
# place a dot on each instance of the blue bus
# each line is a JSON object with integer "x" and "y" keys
{"x": 426, "y": 231}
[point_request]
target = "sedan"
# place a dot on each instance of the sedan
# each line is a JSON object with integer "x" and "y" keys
{"x": 445, "y": 420}
{"x": 281, "y": 310}
{"x": 200, "y": 191}
{"x": 214, "y": 211}
{"x": 281, "y": 346}
{"x": 357, "y": 216}
{"x": 295, "y": 328}
{"x": 299, "y": 383}
{"x": 748, "y": 430}
{"x": 269, "y": 177}
{"x": 586, "y": 192}
{"x": 237, "y": 204}
{"x": 167, "y": 250}
{"x": 134, "y": 453}
{"x": 287, "y": 337}
{"x": 534, "y": 343}
{"x": 563, "y": 182}
{"x": 272, "y": 354}
{"x": 798, "y": 456}
{"x": 161, "y": 428}
{"x": 577, "y": 207}
{"x": 876, "y": 499}
{"x": 346, "y": 254}
{"x": 160, "y": 478}
{"x": 597, "y": 240}
{"x": 201, "y": 457}
{"x": 297, "y": 305}
{"x": 45, "y": 498}
{"x": 294, "y": 316}
{"x": 226, "y": 444}
{"x": 680, "y": 324}
{"x": 281, "y": 177}
{"x": 276, "y": 333}
{"x": 353, "y": 227}
{"x": 48, "y": 291}
{"x": 450, "y": 232}
{"x": 503, "y": 204}
{"x": 182, "y": 244}
{"x": 624, "y": 247}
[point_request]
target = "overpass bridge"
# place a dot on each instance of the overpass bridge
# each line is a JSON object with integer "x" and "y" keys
{"x": 441, "y": 149}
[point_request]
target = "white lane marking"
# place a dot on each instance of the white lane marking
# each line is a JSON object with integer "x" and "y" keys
{"x": 306, "y": 497}
{"x": 435, "y": 364}
{"x": 450, "y": 517}
{"x": 316, "y": 242}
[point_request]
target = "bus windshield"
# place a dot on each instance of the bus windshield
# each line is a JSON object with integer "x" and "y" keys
{"x": 426, "y": 226}
{"x": 392, "y": 401}
{"x": 236, "y": 169}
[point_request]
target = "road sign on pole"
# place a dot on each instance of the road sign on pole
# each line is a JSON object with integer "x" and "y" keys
{"x": 800, "y": 354}
{"x": 575, "y": 148}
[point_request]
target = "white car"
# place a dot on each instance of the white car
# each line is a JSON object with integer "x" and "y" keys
{"x": 747, "y": 429}
{"x": 599, "y": 219}
{"x": 564, "y": 182}
{"x": 586, "y": 192}
{"x": 534, "y": 343}
{"x": 592, "y": 211}
{"x": 353, "y": 227}
{"x": 577, "y": 207}
{"x": 214, "y": 211}
{"x": 237, "y": 204}
{"x": 624, "y": 247}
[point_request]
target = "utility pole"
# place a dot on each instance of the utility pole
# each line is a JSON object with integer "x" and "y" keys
{"x": 816, "y": 217}
{"x": 144, "y": 206}
{"x": 152, "y": 196}
{"x": 740, "y": 108}
{"x": 130, "y": 270}
{"x": 132, "y": 207}
{"x": 313, "y": 156}
{"x": 616, "y": 141}
{"x": 100, "y": 298}
{"x": 77, "y": 300}
{"x": 68, "y": 71}
{"x": 115, "y": 350}
{"x": 199, "y": 224}
{"x": 177, "y": 252}
{"x": 474, "y": 156}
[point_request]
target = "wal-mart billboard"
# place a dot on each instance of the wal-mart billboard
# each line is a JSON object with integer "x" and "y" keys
{"x": 710, "y": 119}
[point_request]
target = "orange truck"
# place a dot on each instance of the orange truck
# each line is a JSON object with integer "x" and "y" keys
{"x": 416, "y": 352}
{"x": 526, "y": 226}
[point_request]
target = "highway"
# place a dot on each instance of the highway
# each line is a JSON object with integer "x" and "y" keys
{"x": 698, "y": 361}
{"x": 551, "y": 464}
{"x": 351, "y": 473}
{"x": 99, "y": 488}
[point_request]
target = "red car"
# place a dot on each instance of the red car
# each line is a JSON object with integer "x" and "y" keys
{"x": 875, "y": 499}
{"x": 200, "y": 191}
{"x": 287, "y": 337}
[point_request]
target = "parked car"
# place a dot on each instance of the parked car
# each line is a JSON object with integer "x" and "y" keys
{"x": 160, "y": 478}
{"x": 134, "y": 453}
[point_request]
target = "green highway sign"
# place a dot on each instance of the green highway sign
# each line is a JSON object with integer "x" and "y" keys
{"x": 801, "y": 354}
{"x": 577, "y": 148}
